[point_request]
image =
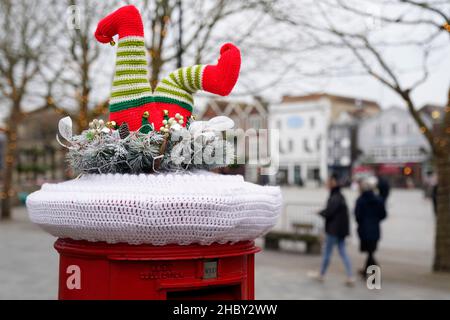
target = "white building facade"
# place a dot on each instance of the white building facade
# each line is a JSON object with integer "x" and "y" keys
{"x": 393, "y": 145}
{"x": 303, "y": 127}
{"x": 392, "y": 137}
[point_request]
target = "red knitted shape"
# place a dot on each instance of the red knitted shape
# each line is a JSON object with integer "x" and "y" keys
{"x": 125, "y": 22}
{"x": 221, "y": 78}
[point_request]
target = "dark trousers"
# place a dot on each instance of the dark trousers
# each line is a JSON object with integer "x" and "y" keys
{"x": 370, "y": 247}
{"x": 370, "y": 260}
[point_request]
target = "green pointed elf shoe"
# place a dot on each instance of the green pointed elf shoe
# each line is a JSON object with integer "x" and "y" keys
{"x": 132, "y": 99}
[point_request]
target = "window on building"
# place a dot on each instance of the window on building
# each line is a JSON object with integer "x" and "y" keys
{"x": 375, "y": 152}
{"x": 394, "y": 153}
{"x": 291, "y": 145}
{"x": 405, "y": 152}
{"x": 393, "y": 129}
{"x": 306, "y": 146}
{"x": 312, "y": 122}
{"x": 418, "y": 152}
{"x": 312, "y": 174}
{"x": 318, "y": 143}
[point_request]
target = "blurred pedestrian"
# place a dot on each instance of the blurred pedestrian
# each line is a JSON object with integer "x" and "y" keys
{"x": 336, "y": 229}
{"x": 431, "y": 184}
{"x": 434, "y": 192}
{"x": 369, "y": 212}
{"x": 428, "y": 183}
{"x": 383, "y": 187}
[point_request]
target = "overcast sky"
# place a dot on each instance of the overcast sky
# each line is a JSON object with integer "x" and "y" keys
{"x": 272, "y": 60}
{"x": 405, "y": 60}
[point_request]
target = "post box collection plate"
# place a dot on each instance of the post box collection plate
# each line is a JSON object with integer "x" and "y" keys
{"x": 210, "y": 269}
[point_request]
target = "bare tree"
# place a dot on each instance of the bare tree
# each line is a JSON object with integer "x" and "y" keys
{"x": 169, "y": 42}
{"x": 427, "y": 31}
{"x": 26, "y": 76}
{"x": 82, "y": 56}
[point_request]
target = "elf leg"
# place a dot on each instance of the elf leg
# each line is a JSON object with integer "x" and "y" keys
{"x": 124, "y": 22}
{"x": 131, "y": 91}
{"x": 221, "y": 78}
{"x": 218, "y": 79}
{"x": 174, "y": 92}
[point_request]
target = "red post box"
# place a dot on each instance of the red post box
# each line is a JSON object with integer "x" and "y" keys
{"x": 95, "y": 270}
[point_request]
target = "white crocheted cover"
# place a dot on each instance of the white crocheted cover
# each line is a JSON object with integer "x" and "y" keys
{"x": 156, "y": 209}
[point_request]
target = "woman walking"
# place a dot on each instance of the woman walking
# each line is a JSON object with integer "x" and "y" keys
{"x": 336, "y": 229}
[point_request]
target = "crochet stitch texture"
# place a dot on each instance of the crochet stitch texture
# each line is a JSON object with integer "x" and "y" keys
{"x": 156, "y": 209}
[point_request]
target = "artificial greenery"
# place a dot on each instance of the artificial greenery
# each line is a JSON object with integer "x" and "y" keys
{"x": 103, "y": 150}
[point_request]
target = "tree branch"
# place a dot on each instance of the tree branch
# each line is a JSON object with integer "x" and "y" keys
{"x": 425, "y": 5}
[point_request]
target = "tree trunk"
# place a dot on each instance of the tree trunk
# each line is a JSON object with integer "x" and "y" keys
{"x": 442, "y": 240}
{"x": 163, "y": 12}
{"x": 82, "y": 120}
{"x": 156, "y": 65}
{"x": 9, "y": 162}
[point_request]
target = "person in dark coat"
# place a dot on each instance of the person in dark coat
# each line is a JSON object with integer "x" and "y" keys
{"x": 434, "y": 192}
{"x": 336, "y": 229}
{"x": 383, "y": 188}
{"x": 369, "y": 212}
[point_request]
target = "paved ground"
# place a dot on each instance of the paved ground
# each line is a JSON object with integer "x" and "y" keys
{"x": 28, "y": 264}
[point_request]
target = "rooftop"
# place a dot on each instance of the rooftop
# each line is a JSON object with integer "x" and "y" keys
{"x": 332, "y": 97}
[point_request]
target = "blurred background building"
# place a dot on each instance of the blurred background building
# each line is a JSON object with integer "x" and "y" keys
{"x": 246, "y": 116}
{"x": 40, "y": 158}
{"x": 393, "y": 146}
{"x": 317, "y": 134}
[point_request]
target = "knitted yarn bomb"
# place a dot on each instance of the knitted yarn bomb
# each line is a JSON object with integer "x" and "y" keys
{"x": 124, "y": 197}
{"x": 161, "y": 209}
{"x": 151, "y": 129}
